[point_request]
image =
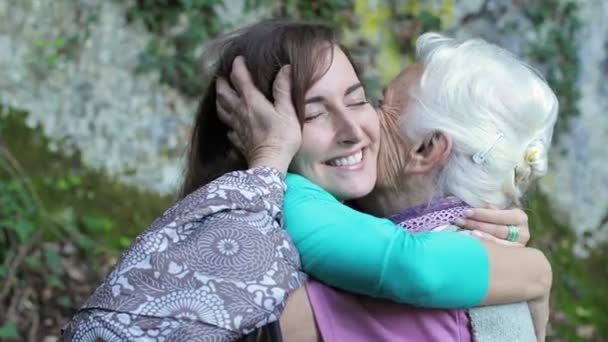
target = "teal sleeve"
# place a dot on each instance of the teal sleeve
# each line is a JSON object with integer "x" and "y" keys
{"x": 364, "y": 254}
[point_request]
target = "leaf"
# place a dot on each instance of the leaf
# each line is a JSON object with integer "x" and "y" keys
{"x": 64, "y": 301}
{"x": 55, "y": 282}
{"x": 74, "y": 180}
{"x": 2, "y": 271}
{"x": 53, "y": 260}
{"x": 583, "y": 312}
{"x": 97, "y": 224}
{"x": 62, "y": 184}
{"x": 32, "y": 261}
{"x": 124, "y": 241}
{"x": 24, "y": 230}
{"x": 9, "y": 330}
{"x": 58, "y": 43}
{"x": 429, "y": 21}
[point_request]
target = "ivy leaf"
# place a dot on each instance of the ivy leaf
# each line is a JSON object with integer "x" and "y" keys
{"x": 97, "y": 223}
{"x": 429, "y": 21}
{"x": 24, "y": 230}
{"x": 124, "y": 241}
{"x": 55, "y": 282}
{"x": 32, "y": 261}
{"x": 9, "y": 330}
{"x": 53, "y": 260}
{"x": 64, "y": 301}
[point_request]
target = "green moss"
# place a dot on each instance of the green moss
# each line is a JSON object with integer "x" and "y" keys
{"x": 580, "y": 286}
{"x": 79, "y": 200}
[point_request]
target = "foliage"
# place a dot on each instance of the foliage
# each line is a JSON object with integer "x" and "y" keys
{"x": 186, "y": 24}
{"x": 556, "y": 48}
{"x": 55, "y": 217}
{"x": 49, "y": 202}
{"x": 579, "y": 301}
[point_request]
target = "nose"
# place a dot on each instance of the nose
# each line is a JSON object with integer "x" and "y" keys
{"x": 348, "y": 129}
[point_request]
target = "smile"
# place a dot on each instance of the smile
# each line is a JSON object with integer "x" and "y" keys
{"x": 347, "y": 161}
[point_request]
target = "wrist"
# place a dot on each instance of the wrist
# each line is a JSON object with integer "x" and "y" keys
{"x": 277, "y": 163}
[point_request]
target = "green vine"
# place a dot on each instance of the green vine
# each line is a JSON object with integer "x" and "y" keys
{"x": 181, "y": 26}
{"x": 557, "y": 50}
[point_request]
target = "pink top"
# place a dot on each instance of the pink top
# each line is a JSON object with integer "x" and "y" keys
{"x": 343, "y": 316}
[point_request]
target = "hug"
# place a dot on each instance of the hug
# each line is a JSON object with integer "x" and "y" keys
{"x": 308, "y": 214}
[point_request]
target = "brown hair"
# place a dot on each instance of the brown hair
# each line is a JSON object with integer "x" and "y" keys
{"x": 266, "y": 47}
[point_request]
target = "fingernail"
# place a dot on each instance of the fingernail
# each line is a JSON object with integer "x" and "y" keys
{"x": 459, "y": 221}
{"x": 468, "y": 212}
{"x": 477, "y": 234}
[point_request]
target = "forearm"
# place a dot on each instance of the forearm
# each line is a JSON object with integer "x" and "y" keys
{"x": 226, "y": 233}
{"x": 436, "y": 269}
{"x": 516, "y": 274}
{"x": 368, "y": 255}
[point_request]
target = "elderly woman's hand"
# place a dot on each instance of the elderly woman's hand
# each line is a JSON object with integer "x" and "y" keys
{"x": 268, "y": 134}
{"x": 492, "y": 224}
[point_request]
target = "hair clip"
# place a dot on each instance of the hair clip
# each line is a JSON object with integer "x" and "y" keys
{"x": 480, "y": 156}
{"x": 532, "y": 153}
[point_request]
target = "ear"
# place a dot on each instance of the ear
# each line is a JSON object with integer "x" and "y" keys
{"x": 429, "y": 154}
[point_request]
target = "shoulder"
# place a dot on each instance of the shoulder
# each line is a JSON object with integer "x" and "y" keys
{"x": 300, "y": 188}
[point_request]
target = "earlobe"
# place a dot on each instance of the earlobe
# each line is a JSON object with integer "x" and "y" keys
{"x": 429, "y": 154}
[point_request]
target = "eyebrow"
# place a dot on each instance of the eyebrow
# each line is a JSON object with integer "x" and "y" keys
{"x": 348, "y": 91}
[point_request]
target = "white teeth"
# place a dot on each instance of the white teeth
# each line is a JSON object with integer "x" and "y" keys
{"x": 353, "y": 159}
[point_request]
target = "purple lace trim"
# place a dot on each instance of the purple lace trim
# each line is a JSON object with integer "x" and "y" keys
{"x": 426, "y": 216}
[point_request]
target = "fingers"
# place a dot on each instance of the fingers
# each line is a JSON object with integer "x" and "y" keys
{"x": 241, "y": 80}
{"x": 236, "y": 141}
{"x": 227, "y": 100}
{"x": 489, "y": 237}
{"x": 497, "y": 216}
{"x": 225, "y": 116}
{"x": 499, "y": 231}
{"x": 281, "y": 88}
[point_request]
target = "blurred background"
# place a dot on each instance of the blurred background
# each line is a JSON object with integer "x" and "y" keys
{"x": 97, "y": 98}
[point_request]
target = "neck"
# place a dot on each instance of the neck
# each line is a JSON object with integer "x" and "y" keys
{"x": 385, "y": 201}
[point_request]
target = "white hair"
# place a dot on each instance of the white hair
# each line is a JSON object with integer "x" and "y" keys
{"x": 498, "y": 111}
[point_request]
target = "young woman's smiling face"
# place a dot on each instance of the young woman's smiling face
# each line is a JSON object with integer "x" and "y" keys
{"x": 341, "y": 132}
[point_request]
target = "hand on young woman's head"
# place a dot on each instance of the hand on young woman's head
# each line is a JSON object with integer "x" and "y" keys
{"x": 266, "y": 133}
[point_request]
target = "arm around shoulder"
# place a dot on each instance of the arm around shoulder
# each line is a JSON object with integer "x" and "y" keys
{"x": 211, "y": 248}
{"x": 364, "y": 254}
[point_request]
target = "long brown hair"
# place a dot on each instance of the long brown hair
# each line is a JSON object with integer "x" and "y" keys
{"x": 266, "y": 47}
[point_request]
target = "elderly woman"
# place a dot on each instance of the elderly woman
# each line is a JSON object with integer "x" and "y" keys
{"x": 218, "y": 265}
{"x": 455, "y": 118}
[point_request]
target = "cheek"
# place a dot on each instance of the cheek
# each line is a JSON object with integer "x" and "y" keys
{"x": 372, "y": 124}
{"x": 311, "y": 150}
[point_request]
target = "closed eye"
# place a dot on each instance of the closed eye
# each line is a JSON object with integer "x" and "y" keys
{"x": 313, "y": 116}
{"x": 357, "y": 104}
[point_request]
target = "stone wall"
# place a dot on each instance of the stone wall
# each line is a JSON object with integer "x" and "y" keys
{"x": 72, "y": 65}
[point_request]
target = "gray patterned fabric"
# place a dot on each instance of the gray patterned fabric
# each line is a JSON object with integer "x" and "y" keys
{"x": 502, "y": 323}
{"x": 214, "y": 267}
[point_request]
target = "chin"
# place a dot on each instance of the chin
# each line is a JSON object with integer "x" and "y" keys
{"x": 353, "y": 192}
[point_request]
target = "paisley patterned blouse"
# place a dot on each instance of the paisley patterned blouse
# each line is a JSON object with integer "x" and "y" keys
{"x": 214, "y": 267}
